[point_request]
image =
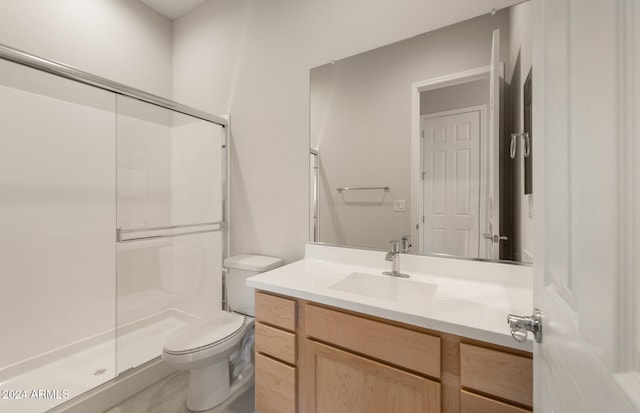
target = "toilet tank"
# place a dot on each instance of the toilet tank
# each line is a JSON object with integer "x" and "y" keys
{"x": 240, "y": 297}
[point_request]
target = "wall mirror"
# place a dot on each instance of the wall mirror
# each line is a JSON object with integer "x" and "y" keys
{"x": 428, "y": 138}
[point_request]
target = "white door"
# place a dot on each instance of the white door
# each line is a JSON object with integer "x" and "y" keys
{"x": 586, "y": 191}
{"x": 451, "y": 182}
{"x": 490, "y": 247}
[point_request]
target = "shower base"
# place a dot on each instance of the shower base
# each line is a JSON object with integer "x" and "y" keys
{"x": 49, "y": 380}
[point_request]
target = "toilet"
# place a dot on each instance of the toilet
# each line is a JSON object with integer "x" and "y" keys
{"x": 218, "y": 349}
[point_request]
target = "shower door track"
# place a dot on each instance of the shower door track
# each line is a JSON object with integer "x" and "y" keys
{"x": 68, "y": 72}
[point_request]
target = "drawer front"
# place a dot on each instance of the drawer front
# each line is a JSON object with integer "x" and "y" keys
{"x": 395, "y": 345}
{"x": 277, "y": 311}
{"x": 493, "y": 372}
{"x": 275, "y": 386}
{"x": 276, "y": 343}
{"x": 473, "y": 403}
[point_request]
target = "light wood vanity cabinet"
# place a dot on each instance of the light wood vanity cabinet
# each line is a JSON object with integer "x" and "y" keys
{"x": 275, "y": 343}
{"x": 312, "y": 358}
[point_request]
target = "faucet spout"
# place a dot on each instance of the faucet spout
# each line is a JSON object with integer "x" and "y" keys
{"x": 394, "y": 257}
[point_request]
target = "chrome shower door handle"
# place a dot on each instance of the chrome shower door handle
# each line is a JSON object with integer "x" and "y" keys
{"x": 521, "y": 325}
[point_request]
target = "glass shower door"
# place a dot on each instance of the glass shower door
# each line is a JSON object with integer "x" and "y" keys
{"x": 57, "y": 257}
{"x": 169, "y": 203}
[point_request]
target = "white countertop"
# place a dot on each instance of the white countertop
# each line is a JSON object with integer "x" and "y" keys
{"x": 461, "y": 297}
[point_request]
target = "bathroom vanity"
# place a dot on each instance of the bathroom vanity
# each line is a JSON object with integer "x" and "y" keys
{"x": 333, "y": 335}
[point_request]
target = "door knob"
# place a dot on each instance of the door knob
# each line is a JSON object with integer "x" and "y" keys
{"x": 521, "y": 325}
{"x": 495, "y": 238}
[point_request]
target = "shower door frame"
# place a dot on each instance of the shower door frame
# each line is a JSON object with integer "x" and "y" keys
{"x": 83, "y": 401}
{"x": 68, "y": 72}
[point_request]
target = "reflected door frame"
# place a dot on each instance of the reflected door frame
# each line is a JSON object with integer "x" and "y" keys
{"x": 417, "y": 194}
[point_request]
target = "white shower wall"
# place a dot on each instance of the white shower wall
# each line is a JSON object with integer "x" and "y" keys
{"x": 57, "y": 212}
{"x": 197, "y": 197}
{"x": 169, "y": 174}
{"x": 121, "y": 40}
{"x": 76, "y": 163}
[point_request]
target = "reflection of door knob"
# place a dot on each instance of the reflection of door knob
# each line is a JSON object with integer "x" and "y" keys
{"x": 495, "y": 238}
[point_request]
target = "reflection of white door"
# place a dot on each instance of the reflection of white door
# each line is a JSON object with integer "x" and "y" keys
{"x": 587, "y": 192}
{"x": 491, "y": 223}
{"x": 451, "y": 182}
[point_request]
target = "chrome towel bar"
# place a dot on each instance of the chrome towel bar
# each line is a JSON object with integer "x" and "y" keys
{"x": 121, "y": 232}
{"x": 340, "y": 189}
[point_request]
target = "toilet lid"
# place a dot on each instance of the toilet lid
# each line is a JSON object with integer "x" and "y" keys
{"x": 204, "y": 332}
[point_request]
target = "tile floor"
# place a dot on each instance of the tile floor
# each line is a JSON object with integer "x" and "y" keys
{"x": 170, "y": 394}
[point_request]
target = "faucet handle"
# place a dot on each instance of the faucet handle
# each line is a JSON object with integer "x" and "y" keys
{"x": 395, "y": 245}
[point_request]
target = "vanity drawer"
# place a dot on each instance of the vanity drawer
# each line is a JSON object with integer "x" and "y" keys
{"x": 277, "y": 311}
{"x": 473, "y": 403}
{"x": 276, "y": 343}
{"x": 409, "y": 349}
{"x": 275, "y": 386}
{"x": 507, "y": 376}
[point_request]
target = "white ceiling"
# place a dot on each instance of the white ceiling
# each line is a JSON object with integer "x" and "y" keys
{"x": 172, "y": 8}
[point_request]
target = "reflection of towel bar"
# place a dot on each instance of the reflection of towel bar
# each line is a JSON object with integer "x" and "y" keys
{"x": 120, "y": 232}
{"x": 340, "y": 189}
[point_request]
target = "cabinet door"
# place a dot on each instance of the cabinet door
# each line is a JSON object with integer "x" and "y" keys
{"x": 275, "y": 386}
{"x": 347, "y": 383}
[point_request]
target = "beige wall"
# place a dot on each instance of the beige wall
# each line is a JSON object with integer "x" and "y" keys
{"x": 261, "y": 52}
{"x": 468, "y": 94}
{"x": 121, "y": 40}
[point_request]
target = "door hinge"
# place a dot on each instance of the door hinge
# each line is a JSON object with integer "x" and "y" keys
{"x": 423, "y": 219}
{"x": 423, "y": 175}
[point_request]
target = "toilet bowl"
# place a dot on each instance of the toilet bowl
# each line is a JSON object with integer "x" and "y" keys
{"x": 208, "y": 347}
{"x": 218, "y": 349}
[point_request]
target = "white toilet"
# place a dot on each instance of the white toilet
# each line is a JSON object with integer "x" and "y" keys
{"x": 219, "y": 348}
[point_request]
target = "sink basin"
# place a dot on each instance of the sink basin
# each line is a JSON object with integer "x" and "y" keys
{"x": 400, "y": 290}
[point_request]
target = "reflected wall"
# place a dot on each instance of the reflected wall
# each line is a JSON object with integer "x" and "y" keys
{"x": 361, "y": 126}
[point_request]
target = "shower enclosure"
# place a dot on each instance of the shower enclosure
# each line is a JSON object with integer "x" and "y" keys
{"x": 112, "y": 228}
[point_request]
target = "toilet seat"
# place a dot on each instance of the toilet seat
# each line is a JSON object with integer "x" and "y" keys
{"x": 202, "y": 335}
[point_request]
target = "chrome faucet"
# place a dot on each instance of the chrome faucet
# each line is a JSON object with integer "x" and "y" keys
{"x": 394, "y": 257}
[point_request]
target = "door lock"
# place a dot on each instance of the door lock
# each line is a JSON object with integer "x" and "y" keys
{"x": 521, "y": 325}
{"x": 495, "y": 238}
